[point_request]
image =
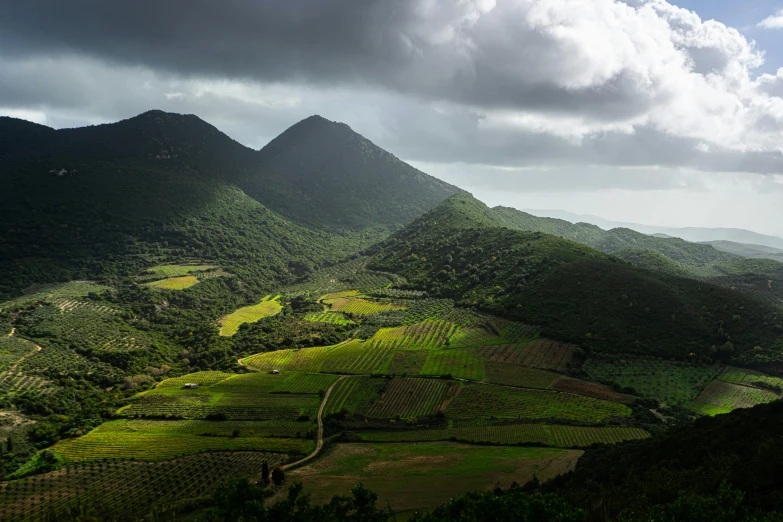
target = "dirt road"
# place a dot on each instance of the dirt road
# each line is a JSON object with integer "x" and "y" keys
{"x": 320, "y": 442}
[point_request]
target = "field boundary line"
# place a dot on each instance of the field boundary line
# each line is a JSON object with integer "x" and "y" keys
{"x": 320, "y": 442}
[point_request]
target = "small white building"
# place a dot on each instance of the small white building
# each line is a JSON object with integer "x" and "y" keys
{"x": 191, "y": 385}
{"x": 275, "y": 371}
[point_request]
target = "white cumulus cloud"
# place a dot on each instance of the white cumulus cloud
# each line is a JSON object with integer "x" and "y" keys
{"x": 773, "y": 22}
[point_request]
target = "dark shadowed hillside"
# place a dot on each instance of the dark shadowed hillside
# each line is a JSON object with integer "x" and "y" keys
{"x": 461, "y": 250}
{"x": 322, "y": 173}
{"x": 97, "y": 201}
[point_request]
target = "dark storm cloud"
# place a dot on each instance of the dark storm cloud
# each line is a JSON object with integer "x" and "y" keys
{"x": 506, "y": 83}
{"x": 459, "y": 51}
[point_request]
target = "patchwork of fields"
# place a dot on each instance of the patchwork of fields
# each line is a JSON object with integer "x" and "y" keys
{"x": 428, "y": 389}
{"x": 269, "y": 306}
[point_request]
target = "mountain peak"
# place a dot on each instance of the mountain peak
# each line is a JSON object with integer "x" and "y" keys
{"x": 338, "y": 177}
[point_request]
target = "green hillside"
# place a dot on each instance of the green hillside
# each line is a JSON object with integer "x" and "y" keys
{"x": 111, "y": 199}
{"x": 696, "y": 258}
{"x": 721, "y": 263}
{"x": 577, "y": 293}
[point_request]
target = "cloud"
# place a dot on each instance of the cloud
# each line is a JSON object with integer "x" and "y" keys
{"x": 485, "y": 82}
{"x": 773, "y": 22}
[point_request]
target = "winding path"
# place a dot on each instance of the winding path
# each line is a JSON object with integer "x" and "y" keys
{"x": 320, "y": 442}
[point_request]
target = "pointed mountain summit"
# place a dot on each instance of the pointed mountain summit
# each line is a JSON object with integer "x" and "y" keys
{"x": 323, "y": 173}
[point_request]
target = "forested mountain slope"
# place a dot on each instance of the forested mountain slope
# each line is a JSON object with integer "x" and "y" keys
{"x": 322, "y": 173}
{"x": 96, "y": 201}
{"x": 694, "y": 257}
{"x": 733, "y": 459}
{"x": 720, "y": 265}
{"x": 461, "y": 250}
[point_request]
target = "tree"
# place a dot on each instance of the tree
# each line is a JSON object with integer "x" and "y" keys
{"x": 265, "y": 473}
{"x": 728, "y": 347}
{"x": 278, "y": 477}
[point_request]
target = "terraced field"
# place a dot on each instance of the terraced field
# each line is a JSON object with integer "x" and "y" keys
{"x": 723, "y": 397}
{"x": 178, "y": 270}
{"x": 305, "y": 383}
{"x": 329, "y": 318}
{"x": 515, "y": 434}
{"x": 358, "y": 306}
{"x": 269, "y": 306}
{"x": 461, "y": 363}
{"x": 500, "y": 402}
{"x": 127, "y": 487}
{"x": 354, "y": 395}
{"x": 240, "y": 397}
{"x": 53, "y": 293}
{"x": 88, "y": 327}
{"x": 162, "y": 440}
{"x": 174, "y": 283}
{"x": 515, "y": 375}
{"x": 676, "y": 383}
{"x": 545, "y": 354}
{"x": 751, "y": 378}
{"x": 411, "y": 397}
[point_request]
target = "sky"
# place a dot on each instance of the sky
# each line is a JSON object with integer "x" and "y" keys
{"x": 663, "y": 113}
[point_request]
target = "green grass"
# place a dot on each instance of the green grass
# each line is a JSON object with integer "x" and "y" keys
{"x": 674, "y": 383}
{"x": 269, "y": 306}
{"x": 550, "y": 435}
{"x": 177, "y": 270}
{"x": 174, "y": 283}
{"x": 495, "y": 401}
{"x": 161, "y": 440}
{"x": 722, "y": 397}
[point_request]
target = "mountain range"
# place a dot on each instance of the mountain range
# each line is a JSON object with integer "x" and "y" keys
{"x": 693, "y": 234}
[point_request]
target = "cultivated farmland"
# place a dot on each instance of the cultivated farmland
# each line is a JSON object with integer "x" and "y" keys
{"x": 544, "y": 354}
{"x": 515, "y": 434}
{"x": 723, "y": 397}
{"x": 173, "y": 283}
{"x": 358, "y": 306}
{"x": 162, "y": 440}
{"x": 515, "y": 375}
{"x": 354, "y": 395}
{"x": 463, "y": 363}
{"x": 411, "y": 397}
{"x": 495, "y": 401}
{"x": 268, "y": 307}
{"x": 126, "y": 487}
{"x": 670, "y": 382}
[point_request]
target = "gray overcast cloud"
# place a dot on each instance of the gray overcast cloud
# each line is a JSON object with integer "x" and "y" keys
{"x": 600, "y": 102}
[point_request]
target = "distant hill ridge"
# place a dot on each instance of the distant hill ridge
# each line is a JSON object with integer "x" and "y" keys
{"x": 693, "y": 234}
